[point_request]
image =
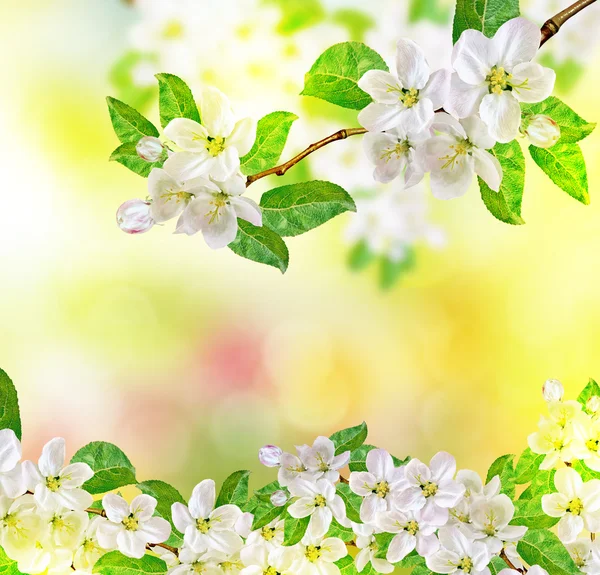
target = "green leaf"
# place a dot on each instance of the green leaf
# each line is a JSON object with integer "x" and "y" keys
{"x": 129, "y": 124}
{"x": 360, "y": 256}
{"x": 504, "y": 468}
{"x": 496, "y": 565}
{"x": 234, "y": 490}
{"x": 391, "y": 271}
{"x": 586, "y": 473}
{"x": 542, "y": 483}
{"x": 265, "y": 512}
{"x": 346, "y": 565}
{"x": 344, "y": 533}
{"x": 383, "y": 543}
{"x": 295, "y": 209}
{"x": 260, "y": 244}
{"x": 543, "y": 548}
{"x": 349, "y": 439}
{"x": 334, "y": 76}
{"x": 115, "y": 563}
{"x": 175, "y": 99}
{"x": 165, "y": 496}
{"x": 7, "y": 565}
{"x": 351, "y": 500}
{"x": 572, "y": 126}
{"x": 590, "y": 390}
{"x": 505, "y": 204}
{"x": 529, "y": 512}
{"x": 413, "y": 559}
{"x": 430, "y": 10}
{"x": 527, "y": 466}
{"x": 112, "y": 468}
{"x": 294, "y": 529}
{"x": 271, "y": 135}
{"x": 563, "y": 163}
{"x": 10, "y": 417}
{"x": 358, "y": 458}
{"x": 483, "y": 15}
{"x": 127, "y": 155}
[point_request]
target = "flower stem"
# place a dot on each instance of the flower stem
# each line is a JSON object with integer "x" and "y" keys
{"x": 553, "y": 25}
{"x": 506, "y": 560}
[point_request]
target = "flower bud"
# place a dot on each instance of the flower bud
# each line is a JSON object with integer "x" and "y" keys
{"x": 133, "y": 217}
{"x": 150, "y": 149}
{"x": 542, "y": 131}
{"x": 279, "y": 498}
{"x": 553, "y": 390}
{"x": 270, "y": 455}
{"x": 593, "y": 404}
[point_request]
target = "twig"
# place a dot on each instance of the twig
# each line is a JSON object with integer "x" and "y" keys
{"x": 553, "y": 25}
{"x": 510, "y": 564}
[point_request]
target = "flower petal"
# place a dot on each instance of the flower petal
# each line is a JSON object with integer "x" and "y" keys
{"x": 216, "y": 113}
{"x": 502, "y": 114}
{"x": 130, "y": 544}
{"x": 443, "y": 466}
{"x": 188, "y": 165}
{"x": 187, "y": 134}
{"x": 400, "y": 546}
{"x": 411, "y": 64}
{"x": 516, "y": 41}
{"x": 477, "y": 132}
{"x": 53, "y": 457}
{"x": 532, "y": 82}
{"x": 437, "y": 88}
{"x": 116, "y": 507}
{"x": 382, "y": 86}
{"x": 10, "y": 450}
{"x": 473, "y": 57}
{"x": 380, "y": 117}
{"x": 568, "y": 482}
{"x": 155, "y": 530}
{"x": 143, "y": 507}
{"x": 75, "y": 474}
{"x": 569, "y": 527}
{"x": 202, "y": 501}
{"x": 464, "y": 99}
{"x": 247, "y": 209}
{"x": 488, "y": 168}
{"x": 181, "y": 517}
{"x": 243, "y": 136}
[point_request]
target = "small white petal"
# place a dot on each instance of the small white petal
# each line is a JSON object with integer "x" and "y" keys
{"x": 380, "y": 117}
{"x": 488, "y": 168}
{"x": 464, "y": 99}
{"x": 53, "y": 457}
{"x": 382, "y": 86}
{"x": 532, "y": 82}
{"x": 411, "y": 65}
{"x": 516, "y": 41}
{"x": 473, "y": 57}
{"x": 502, "y": 114}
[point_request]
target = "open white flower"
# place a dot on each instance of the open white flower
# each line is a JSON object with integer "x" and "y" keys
{"x": 42, "y": 557}
{"x": 368, "y": 547}
{"x": 291, "y": 467}
{"x": 474, "y": 487}
{"x": 54, "y": 485}
{"x": 214, "y": 147}
{"x": 554, "y": 441}
{"x": 493, "y": 75}
{"x": 563, "y": 413}
{"x": 457, "y": 153}
{"x": 321, "y": 460}
{"x": 397, "y": 151}
{"x": 378, "y": 485}
{"x": 11, "y": 475}
{"x": 131, "y": 526}
{"x": 258, "y": 560}
{"x": 408, "y": 100}
{"x": 64, "y": 528}
{"x": 193, "y": 563}
{"x": 431, "y": 489}
{"x": 317, "y": 556}
{"x": 20, "y": 523}
{"x": 581, "y": 552}
{"x": 458, "y": 554}
{"x": 319, "y": 500}
{"x": 215, "y": 209}
{"x": 271, "y": 535}
{"x": 586, "y": 444}
{"x": 205, "y": 527}
{"x": 89, "y": 550}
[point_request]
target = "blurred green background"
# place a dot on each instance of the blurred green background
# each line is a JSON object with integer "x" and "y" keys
{"x": 191, "y": 359}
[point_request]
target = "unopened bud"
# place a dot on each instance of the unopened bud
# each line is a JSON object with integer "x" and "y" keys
{"x": 150, "y": 149}
{"x": 279, "y": 498}
{"x": 133, "y": 217}
{"x": 553, "y": 390}
{"x": 270, "y": 455}
{"x": 593, "y": 404}
{"x": 542, "y": 131}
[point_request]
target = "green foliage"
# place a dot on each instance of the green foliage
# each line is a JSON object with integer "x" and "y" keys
{"x": 563, "y": 163}
{"x": 260, "y": 244}
{"x": 391, "y": 271}
{"x": 358, "y": 458}
{"x": 349, "y": 439}
{"x": 271, "y": 135}
{"x": 568, "y": 71}
{"x": 7, "y": 565}
{"x": 430, "y": 10}
{"x": 543, "y": 548}
{"x": 356, "y": 22}
{"x": 346, "y": 565}
{"x": 573, "y": 127}
{"x": 129, "y": 124}
{"x": 351, "y": 500}
{"x": 175, "y": 99}
{"x": 165, "y": 496}
{"x": 496, "y": 565}
{"x": 115, "y": 563}
{"x": 343, "y": 533}
{"x": 483, "y": 15}
{"x": 294, "y": 529}
{"x": 297, "y": 16}
{"x": 234, "y": 490}
{"x": 360, "y": 256}
{"x": 127, "y": 155}
{"x": 529, "y": 512}
{"x": 413, "y": 559}
{"x": 297, "y": 208}
{"x": 505, "y": 204}
{"x": 527, "y": 466}
{"x": 262, "y": 508}
{"x": 542, "y": 483}
{"x": 590, "y": 390}
{"x": 383, "y": 541}
{"x": 10, "y": 417}
{"x": 334, "y": 76}
{"x": 586, "y": 473}
{"x": 504, "y": 468}
{"x": 112, "y": 468}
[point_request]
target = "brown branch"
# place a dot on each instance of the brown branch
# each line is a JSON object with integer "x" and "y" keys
{"x": 510, "y": 564}
{"x": 553, "y": 25}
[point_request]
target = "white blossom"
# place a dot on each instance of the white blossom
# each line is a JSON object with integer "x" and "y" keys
{"x": 368, "y": 547}
{"x": 581, "y": 552}
{"x": 315, "y": 556}
{"x": 320, "y": 459}
{"x": 553, "y": 390}
{"x": 258, "y": 559}
{"x": 458, "y": 554}
{"x": 12, "y": 483}
{"x": 271, "y": 535}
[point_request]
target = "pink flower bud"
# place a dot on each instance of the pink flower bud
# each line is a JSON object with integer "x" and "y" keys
{"x": 279, "y": 498}
{"x": 553, "y": 390}
{"x": 150, "y": 149}
{"x": 542, "y": 131}
{"x": 133, "y": 217}
{"x": 270, "y": 455}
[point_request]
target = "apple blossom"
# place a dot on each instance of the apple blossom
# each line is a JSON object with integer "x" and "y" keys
{"x": 135, "y": 217}
{"x": 314, "y": 556}
{"x": 586, "y": 444}
{"x": 20, "y": 523}
{"x": 192, "y": 563}
{"x": 150, "y": 149}
{"x": 271, "y": 535}
{"x": 582, "y": 554}
{"x": 563, "y": 413}
{"x": 542, "y": 131}
{"x": 493, "y": 75}
{"x": 270, "y": 455}
{"x": 321, "y": 460}
{"x": 553, "y": 441}
{"x": 408, "y": 100}
{"x": 131, "y": 526}
{"x": 64, "y": 528}
{"x": 458, "y": 554}
{"x": 12, "y": 483}
{"x": 89, "y": 549}
{"x": 258, "y": 559}
{"x": 553, "y": 390}
{"x": 291, "y": 467}
{"x": 368, "y": 547}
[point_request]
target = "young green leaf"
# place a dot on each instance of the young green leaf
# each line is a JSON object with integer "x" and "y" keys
{"x": 341, "y": 532}
{"x": 572, "y": 126}
{"x": 349, "y": 439}
{"x": 351, "y": 500}
{"x": 504, "y": 468}
{"x": 7, "y": 565}
{"x": 260, "y": 244}
{"x": 392, "y": 271}
{"x": 529, "y": 512}
{"x": 483, "y": 15}
{"x": 505, "y": 204}
{"x": 346, "y": 565}
{"x": 496, "y": 565}
{"x": 129, "y": 124}
{"x": 175, "y": 99}
{"x": 234, "y": 490}
{"x": 590, "y": 390}
{"x": 334, "y": 76}
{"x": 294, "y": 529}
{"x": 358, "y": 458}
{"x": 542, "y": 483}
{"x": 271, "y": 135}
{"x": 165, "y": 496}
{"x": 10, "y": 417}
{"x": 127, "y": 155}
{"x": 413, "y": 559}
{"x": 586, "y": 473}
{"x": 264, "y": 513}
{"x": 297, "y": 208}
{"x": 383, "y": 541}
{"x": 360, "y": 256}
{"x": 112, "y": 468}
{"x": 115, "y": 563}
{"x": 527, "y": 466}
{"x": 563, "y": 163}
{"x": 543, "y": 548}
